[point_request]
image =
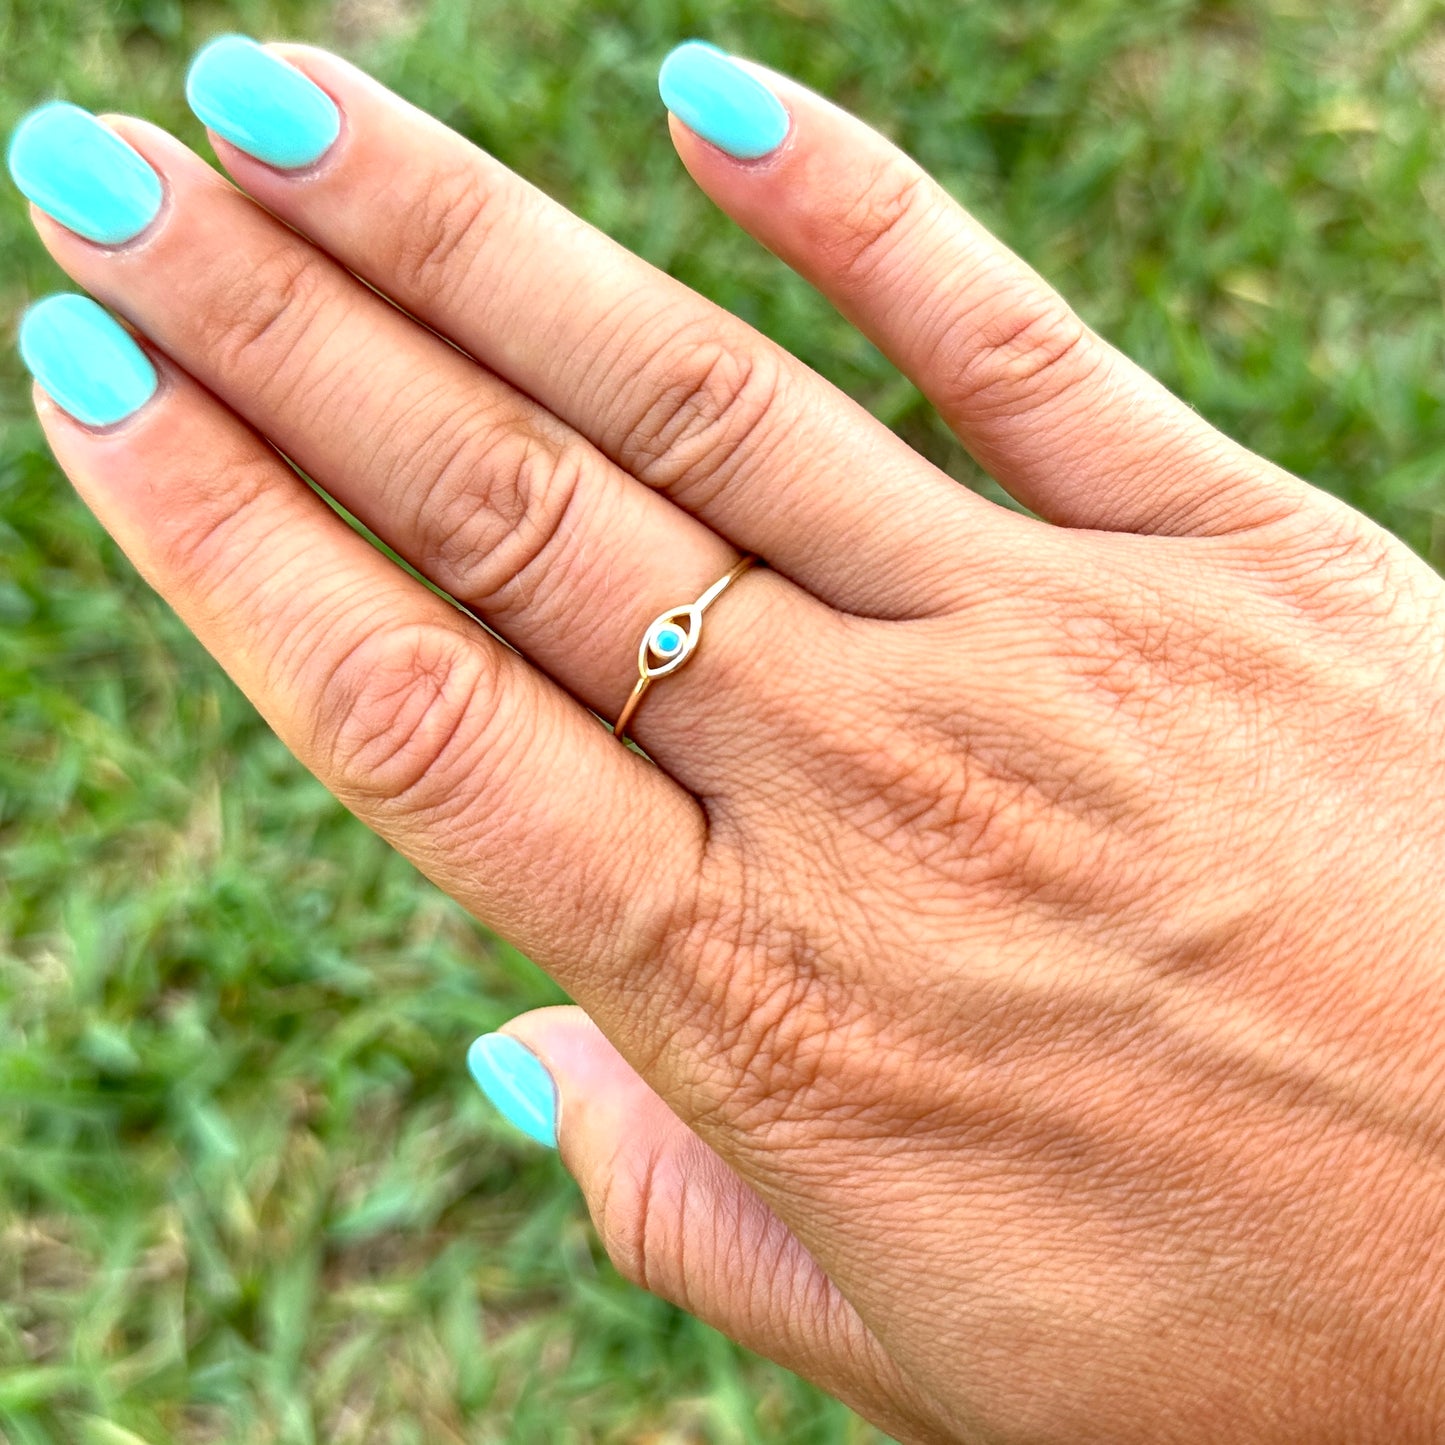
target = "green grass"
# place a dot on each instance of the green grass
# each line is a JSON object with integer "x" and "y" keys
{"x": 246, "y": 1192}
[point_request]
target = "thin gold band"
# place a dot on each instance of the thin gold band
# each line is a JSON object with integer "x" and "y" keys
{"x": 667, "y": 644}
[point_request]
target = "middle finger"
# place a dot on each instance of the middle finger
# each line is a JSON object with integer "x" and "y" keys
{"x": 684, "y": 395}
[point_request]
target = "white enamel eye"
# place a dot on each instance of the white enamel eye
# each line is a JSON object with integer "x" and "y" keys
{"x": 669, "y": 642}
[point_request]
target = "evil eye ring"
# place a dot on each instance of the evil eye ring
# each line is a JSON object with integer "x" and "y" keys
{"x": 670, "y": 640}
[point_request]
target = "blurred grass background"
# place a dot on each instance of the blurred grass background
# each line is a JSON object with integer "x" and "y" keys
{"x": 246, "y": 1191}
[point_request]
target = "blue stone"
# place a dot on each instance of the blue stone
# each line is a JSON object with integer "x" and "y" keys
{"x": 667, "y": 641}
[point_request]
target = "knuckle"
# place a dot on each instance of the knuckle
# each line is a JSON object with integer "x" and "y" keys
{"x": 1334, "y": 565}
{"x": 631, "y": 1219}
{"x": 1138, "y": 662}
{"x": 403, "y": 715}
{"x": 1128, "y": 650}
{"x": 449, "y": 221}
{"x": 209, "y": 534}
{"x": 495, "y": 509}
{"x": 712, "y": 410}
{"x": 258, "y": 321}
{"x": 1024, "y": 354}
{"x": 649, "y": 1202}
{"x": 1140, "y": 672}
{"x": 877, "y": 221}
{"x": 950, "y": 812}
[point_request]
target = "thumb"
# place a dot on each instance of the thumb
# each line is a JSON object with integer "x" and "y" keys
{"x": 673, "y": 1217}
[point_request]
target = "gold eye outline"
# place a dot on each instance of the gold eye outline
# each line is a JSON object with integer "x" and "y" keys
{"x": 670, "y": 650}
{"x": 684, "y": 623}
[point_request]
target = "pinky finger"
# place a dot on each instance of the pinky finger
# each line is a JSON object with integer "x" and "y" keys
{"x": 495, "y": 782}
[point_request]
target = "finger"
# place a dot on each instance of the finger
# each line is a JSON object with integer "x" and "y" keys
{"x": 681, "y": 394}
{"x": 1065, "y": 422}
{"x": 674, "y": 1218}
{"x": 481, "y": 489}
{"x": 493, "y": 781}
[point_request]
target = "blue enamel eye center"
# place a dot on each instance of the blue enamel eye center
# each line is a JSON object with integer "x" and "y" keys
{"x": 668, "y": 641}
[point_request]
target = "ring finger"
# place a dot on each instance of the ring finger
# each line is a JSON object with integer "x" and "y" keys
{"x": 485, "y": 492}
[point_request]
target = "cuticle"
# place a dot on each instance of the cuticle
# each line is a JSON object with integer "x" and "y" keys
{"x": 313, "y": 170}
{"x": 117, "y": 428}
{"x": 323, "y": 163}
{"x": 758, "y": 165}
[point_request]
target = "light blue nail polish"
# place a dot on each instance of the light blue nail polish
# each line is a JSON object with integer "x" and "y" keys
{"x": 517, "y": 1082}
{"x": 260, "y": 104}
{"x": 712, "y": 94}
{"x": 82, "y": 173}
{"x": 85, "y": 359}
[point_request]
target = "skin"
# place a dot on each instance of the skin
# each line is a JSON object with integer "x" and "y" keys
{"x": 1009, "y": 995}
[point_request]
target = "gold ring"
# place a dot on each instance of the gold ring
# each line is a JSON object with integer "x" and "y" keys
{"x": 671, "y": 639}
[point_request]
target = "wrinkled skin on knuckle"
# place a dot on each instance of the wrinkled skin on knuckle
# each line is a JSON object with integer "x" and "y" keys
{"x": 957, "y": 797}
{"x": 921, "y": 804}
{"x": 647, "y": 1208}
{"x": 1015, "y": 352}
{"x": 632, "y": 1217}
{"x": 1166, "y": 661}
{"x": 260, "y": 322}
{"x": 1038, "y": 782}
{"x": 673, "y": 1222}
{"x": 452, "y": 214}
{"x": 404, "y": 718}
{"x": 495, "y": 510}
{"x": 1354, "y": 625}
{"x": 1335, "y": 568}
{"x": 1188, "y": 695}
{"x": 192, "y": 542}
{"x": 871, "y": 222}
{"x": 708, "y": 403}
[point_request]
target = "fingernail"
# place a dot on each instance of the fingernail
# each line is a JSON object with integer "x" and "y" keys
{"x": 85, "y": 359}
{"x": 261, "y": 104}
{"x": 83, "y": 174}
{"x": 712, "y": 94}
{"x": 517, "y": 1082}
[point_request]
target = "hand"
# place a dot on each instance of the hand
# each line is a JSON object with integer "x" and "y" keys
{"x": 1012, "y": 991}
